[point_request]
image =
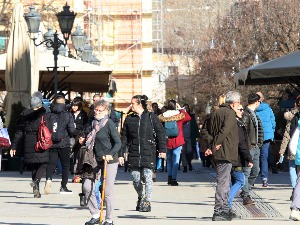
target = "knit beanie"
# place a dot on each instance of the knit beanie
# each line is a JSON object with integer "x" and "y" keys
{"x": 35, "y": 102}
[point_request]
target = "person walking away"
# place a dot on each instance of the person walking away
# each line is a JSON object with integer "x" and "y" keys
{"x": 267, "y": 118}
{"x": 143, "y": 133}
{"x": 174, "y": 144}
{"x": 105, "y": 142}
{"x": 255, "y": 134}
{"x": 191, "y": 134}
{"x": 62, "y": 127}
{"x": 27, "y": 135}
{"x": 285, "y": 141}
{"x": 244, "y": 159}
{"x": 224, "y": 148}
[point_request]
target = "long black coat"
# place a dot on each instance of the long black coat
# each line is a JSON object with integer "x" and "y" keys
{"x": 138, "y": 134}
{"x": 26, "y": 135}
{"x": 80, "y": 122}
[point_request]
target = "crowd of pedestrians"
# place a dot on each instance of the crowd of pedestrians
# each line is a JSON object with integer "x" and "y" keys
{"x": 235, "y": 140}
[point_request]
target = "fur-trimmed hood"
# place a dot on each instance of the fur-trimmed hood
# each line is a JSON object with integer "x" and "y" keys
{"x": 171, "y": 115}
{"x": 290, "y": 114}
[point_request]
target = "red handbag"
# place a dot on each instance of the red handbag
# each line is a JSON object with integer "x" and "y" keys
{"x": 4, "y": 143}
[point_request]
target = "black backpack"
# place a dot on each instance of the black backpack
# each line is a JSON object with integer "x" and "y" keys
{"x": 58, "y": 123}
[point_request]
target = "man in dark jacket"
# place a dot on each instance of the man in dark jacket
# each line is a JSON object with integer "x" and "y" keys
{"x": 141, "y": 132}
{"x": 256, "y": 137}
{"x": 62, "y": 127}
{"x": 224, "y": 147}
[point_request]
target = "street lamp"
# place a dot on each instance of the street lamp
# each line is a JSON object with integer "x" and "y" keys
{"x": 65, "y": 19}
{"x": 78, "y": 40}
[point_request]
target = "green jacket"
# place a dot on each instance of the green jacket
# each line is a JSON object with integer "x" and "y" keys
{"x": 224, "y": 131}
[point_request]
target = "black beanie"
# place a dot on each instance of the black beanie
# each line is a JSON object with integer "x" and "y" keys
{"x": 252, "y": 98}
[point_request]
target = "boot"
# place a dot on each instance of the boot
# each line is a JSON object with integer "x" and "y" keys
{"x": 174, "y": 182}
{"x": 138, "y": 204}
{"x": 169, "y": 180}
{"x": 36, "y": 188}
{"x": 82, "y": 199}
{"x": 184, "y": 169}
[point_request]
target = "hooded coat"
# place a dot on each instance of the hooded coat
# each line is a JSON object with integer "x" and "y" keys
{"x": 180, "y": 117}
{"x": 27, "y": 135}
{"x": 267, "y": 118}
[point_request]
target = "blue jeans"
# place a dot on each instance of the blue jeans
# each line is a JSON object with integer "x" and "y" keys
{"x": 293, "y": 173}
{"x": 173, "y": 156}
{"x": 237, "y": 182}
{"x": 264, "y": 156}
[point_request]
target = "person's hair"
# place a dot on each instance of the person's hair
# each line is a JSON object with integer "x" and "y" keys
{"x": 232, "y": 96}
{"x": 59, "y": 96}
{"x": 96, "y": 95}
{"x": 297, "y": 102}
{"x": 252, "y": 98}
{"x": 186, "y": 105}
{"x": 78, "y": 98}
{"x": 78, "y": 103}
{"x": 222, "y": 99}
{"x": 172, "y": 104}
{"x": 164, "y": 109}
{"x": 103, "y": 103}
{"x": 154, "y": 104}
{"x": 37, "y": 94}
{"x": 141, "y": 99}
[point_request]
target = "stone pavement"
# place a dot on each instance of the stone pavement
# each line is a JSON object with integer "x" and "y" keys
{"x": 190, "y": 203}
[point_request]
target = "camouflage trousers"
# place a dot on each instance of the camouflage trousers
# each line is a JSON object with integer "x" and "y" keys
{"x": 140, "y": 176}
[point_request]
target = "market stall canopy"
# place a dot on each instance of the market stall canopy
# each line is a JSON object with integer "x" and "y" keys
{"x": 285, "y": 69}
{"x": 74, "y": 75}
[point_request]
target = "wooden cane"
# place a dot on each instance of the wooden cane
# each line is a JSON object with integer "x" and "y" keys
{"x": 102, "y": 193}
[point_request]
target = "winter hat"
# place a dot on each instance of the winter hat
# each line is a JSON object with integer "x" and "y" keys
{"x": 252, "y": 98}
{"x": 35, "y": 102}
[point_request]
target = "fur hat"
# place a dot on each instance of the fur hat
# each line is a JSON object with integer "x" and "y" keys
{"x": 35, "y": 102}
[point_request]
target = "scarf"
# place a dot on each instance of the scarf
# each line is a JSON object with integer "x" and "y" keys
{"x": 96, "y": 126}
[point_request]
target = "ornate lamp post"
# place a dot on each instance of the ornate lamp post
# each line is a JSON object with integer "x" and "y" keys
{"x": 65, "y": 19}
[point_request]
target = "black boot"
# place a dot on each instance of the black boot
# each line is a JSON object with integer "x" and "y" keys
{"x": 82, "y": 199}
{"x": 36, "y": 188}
{"x": 190, "y": 167}
{"x": 184, "y": 169}
{"x": 174, "y": 182}
{"x": 169, "y": 180}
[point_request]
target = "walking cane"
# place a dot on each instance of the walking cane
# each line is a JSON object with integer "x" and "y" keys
{"x": 102, "y": 193}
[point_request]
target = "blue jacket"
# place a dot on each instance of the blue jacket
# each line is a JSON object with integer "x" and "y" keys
{"x": 267, "y": 118}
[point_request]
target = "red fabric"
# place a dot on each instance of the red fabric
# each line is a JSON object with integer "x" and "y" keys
{"x": 179, "y": 140}
{"x": 44, "y": 137}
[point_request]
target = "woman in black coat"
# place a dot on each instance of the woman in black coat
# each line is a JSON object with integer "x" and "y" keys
{"x": 79, "y": 115}
{"x": 27, "y": 135}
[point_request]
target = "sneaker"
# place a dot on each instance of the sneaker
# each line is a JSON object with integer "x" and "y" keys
{"x": 93, "y": 221}
{"x": 265, "y": 183}
{"x": 145, "y": 206}
{"x": 65, "y": 190}
{"x": 222, "y": 216}
{"x": 295, "y": 215}
{"x": 108, "y": 223}
{"x": 174, "y": 183}
{"x": 47, "y": 188}
{"x": 248, "y": 201}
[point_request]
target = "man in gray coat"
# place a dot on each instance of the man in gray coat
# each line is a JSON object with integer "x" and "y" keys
{"x": 224, "y": 147}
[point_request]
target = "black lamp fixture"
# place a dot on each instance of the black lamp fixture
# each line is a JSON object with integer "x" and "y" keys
{"x": 65, "y": 19}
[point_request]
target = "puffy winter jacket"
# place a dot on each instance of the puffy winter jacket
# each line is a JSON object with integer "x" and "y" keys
{"x": 267, "y": 119}
{"x": 180, "y": 117}
{"x": 138, "y": 135}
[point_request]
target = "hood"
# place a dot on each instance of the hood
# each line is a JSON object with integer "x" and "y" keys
{"x": 58, "y": 108}
{"x": 262, "y": 107}
{"x": 290, "y": 115}
{"x": 171, "y": 115}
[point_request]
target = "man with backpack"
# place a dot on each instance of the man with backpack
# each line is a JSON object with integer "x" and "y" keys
{"x": 62, "y": 127}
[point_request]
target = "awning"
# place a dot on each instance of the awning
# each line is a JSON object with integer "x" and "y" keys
{"x": 285, "y": 69}
{"x": 74, "y": 75}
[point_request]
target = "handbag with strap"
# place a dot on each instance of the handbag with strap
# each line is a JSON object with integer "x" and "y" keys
{"x": 4, "y": 142}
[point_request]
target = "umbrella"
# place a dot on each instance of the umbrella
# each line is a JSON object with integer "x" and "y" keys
{"x": 18, "y": 64}
{"x": 285, "y": 69}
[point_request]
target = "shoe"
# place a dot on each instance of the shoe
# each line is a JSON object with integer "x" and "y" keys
{"x": 65, "y": 190}
{"x": 47, "y": 188}
{"x": 108, "y": 223}
{"x": 265, "y": 183}
{"x": 234, "y": 215}
{"x": 138, "y": 204}
{"x": 154, "y": 179}
{"x": 184, "y": 169}
{"x": 82, "y": 199}
{"x": 174, "y": 183}
{"x": 248, "y": 201}
{"x": 36, "y": 188}
{"x": 169, "y": 180}
{"x": 145, "y": 206}
{"x": 295, "y": 215}
{"x": 222, "y": 216}
{"x": 190, "y": 167}
{"x": 93, "y": 221}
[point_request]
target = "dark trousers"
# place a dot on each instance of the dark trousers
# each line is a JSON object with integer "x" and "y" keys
{"x": 38, "y": 170}
{"x": 64, "y": 155}
{"x": 187, "y": 152}
{"x": 223, "y": 186}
